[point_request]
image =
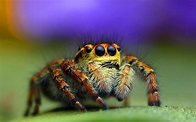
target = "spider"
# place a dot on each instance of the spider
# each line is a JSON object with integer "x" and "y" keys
{"x": 97, "y": 71}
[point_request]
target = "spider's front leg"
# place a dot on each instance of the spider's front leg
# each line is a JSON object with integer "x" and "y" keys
{"x": 69, "y": 68}
{"x": 59, "y": 80}
{"x": 149, "y": 74}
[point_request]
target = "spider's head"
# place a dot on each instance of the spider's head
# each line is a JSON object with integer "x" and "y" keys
{"x": 108, "y": 53}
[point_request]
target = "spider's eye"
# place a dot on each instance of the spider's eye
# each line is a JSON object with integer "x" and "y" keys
{"x": 88, "y": 49}
{"x": 119, "y": 49}
{"x": 99, "y": 50}
{"x": 111, "y": 50}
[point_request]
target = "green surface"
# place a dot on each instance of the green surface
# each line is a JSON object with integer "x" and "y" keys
{"x": 175, "y": 68}
{"x": 134, "y": 114}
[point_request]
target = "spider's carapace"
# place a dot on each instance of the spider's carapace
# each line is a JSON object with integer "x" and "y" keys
{"x": 97, "y": 71}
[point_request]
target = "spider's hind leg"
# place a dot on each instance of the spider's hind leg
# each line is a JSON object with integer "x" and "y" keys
{"x": 35, "y": 87}
{"x": 34, "y": 96}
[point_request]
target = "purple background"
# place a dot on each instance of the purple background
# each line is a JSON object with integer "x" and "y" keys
{"x": 135, "y": 21}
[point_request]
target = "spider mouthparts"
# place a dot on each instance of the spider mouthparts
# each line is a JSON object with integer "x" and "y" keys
{"x": 110, "y": 65}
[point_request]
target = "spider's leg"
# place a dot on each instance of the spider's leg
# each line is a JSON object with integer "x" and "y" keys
{"x": 64, "y": 87}
{"x": 34, "y": 91}
{"x": 30, "y": 100}
{"x": 70, "y": 69}
{"x": 149, "y": 74}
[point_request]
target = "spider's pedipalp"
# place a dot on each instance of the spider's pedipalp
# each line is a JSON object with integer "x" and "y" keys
{"x": 124, "y": 82}
{"x": 102, "y": 85}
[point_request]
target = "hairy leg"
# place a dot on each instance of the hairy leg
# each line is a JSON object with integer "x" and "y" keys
{"x": 149, "y": 74}
{"x": 124, "y": 82}
{"x": 69, "y": 68}
{"x": 34, "y": 88}
{"x": 34, "y": 96}
{"x": 64, "y": 87}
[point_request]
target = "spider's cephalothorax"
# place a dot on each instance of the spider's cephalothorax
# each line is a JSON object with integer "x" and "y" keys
{"x": 97, "y": 70}
{"x": 101, "y": 64}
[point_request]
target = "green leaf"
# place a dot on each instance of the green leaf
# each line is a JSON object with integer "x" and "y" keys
{"x": 135, "y": 114}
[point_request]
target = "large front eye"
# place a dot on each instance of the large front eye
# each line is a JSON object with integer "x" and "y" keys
{"x": 99, "y": 50}
{"x": 111, "y": 50}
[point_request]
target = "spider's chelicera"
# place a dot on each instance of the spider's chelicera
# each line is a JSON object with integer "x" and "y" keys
{"x": 97, "y": 71}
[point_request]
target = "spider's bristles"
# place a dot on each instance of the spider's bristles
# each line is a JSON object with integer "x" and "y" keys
{"x": 78, "y": 45}
{"x": 97, "y": 39}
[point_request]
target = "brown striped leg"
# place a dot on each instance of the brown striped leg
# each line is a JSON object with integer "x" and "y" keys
{"x": 64, "y": 87}
{"x": 153, "y": 97}
{"x": 37, "y": 101}
{"x": 70, "y": 69}
{"x": 30, "y": 101}
{"x": 149, "y": 74}
{"x": 34, "y": 95}
{"x": 34, "y": 91}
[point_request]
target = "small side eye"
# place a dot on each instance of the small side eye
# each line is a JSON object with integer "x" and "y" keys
{"x": 111, "y": 50}
{"x": 119, "y": 49}
{"x": 99, "y": 50}
{"x": 88, "y": 49}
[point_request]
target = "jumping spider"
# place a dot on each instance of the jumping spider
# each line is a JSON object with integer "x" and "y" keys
{"x": 97, "y": 71}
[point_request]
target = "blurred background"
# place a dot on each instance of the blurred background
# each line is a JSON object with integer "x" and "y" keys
{"x": 160, "y": 32}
